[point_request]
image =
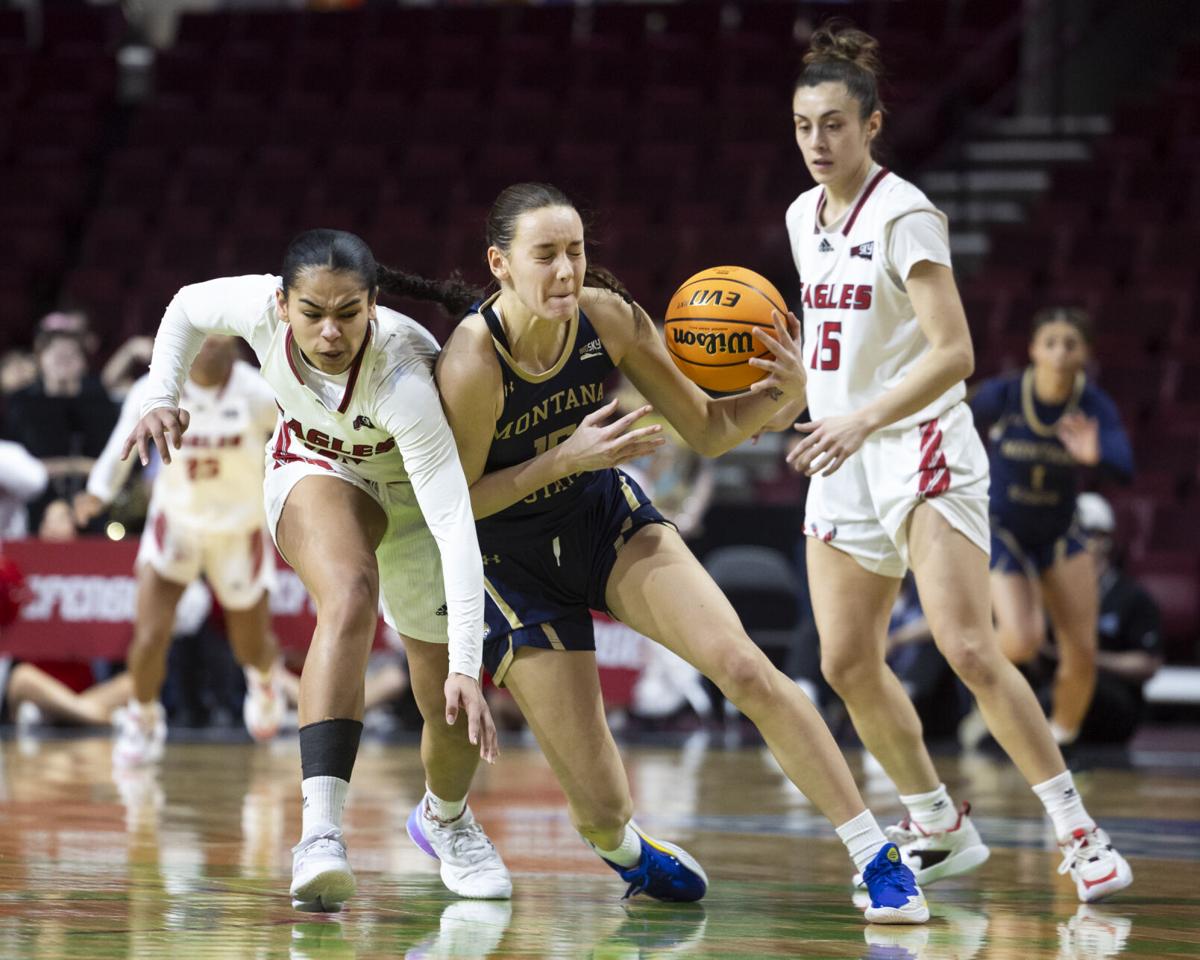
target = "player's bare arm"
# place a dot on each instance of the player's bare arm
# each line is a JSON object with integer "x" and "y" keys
{"x": 710, "y": 427}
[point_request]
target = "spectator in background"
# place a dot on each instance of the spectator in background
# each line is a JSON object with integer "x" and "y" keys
{"x": 18, "y": 370}
{"x": 63, "y": 418}
{"x": 128, "y": 362}
{"x": 1130, "y": 640}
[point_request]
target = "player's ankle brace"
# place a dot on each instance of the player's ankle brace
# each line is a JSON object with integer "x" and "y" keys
{"x": 328, "y": 748}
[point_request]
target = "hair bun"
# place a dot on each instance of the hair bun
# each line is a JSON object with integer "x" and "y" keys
{"x": 838, "y": 39}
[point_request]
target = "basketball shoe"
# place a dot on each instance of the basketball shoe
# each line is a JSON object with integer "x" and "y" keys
{"x": 471, "y": 865}
{"x": 664, "y": 872}
{"x": 895, "y": 896}
{"x": 935, "y": 855}
{"x": 141, "y": 734}
{"x": 1095, "y": 866}
{"x": 322, "y": 880}
{"x": 265, "y": 703}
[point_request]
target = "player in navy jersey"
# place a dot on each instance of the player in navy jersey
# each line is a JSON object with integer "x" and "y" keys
{"x": 563, "y": 531}
{"x": 1045, "y": 424}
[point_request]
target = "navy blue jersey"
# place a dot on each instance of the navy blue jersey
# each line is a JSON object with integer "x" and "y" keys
{"x": 1033, "y": 476}
{"x": 540, "y": 412}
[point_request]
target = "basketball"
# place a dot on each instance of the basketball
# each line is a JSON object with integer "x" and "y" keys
{"x": 710, "y": 322}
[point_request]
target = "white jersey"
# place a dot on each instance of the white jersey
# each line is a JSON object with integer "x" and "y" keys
{"x": 861, "y": 336}
{"x": 382, "y": 419}
{"x": 214, "y": 481}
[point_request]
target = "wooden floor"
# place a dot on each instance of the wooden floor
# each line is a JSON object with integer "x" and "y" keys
{"x": 193, "y": 862}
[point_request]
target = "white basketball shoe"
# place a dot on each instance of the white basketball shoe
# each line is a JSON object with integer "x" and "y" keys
{"x": 322, "y": 880}
{"x": 265, "y": 704}
{"x": 937, "y": 854}
{"x": 471, "y": 865}
{"x": 141, "y": 734}
{"x": 1095, "y": 866}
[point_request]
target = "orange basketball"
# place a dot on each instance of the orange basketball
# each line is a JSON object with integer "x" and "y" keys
{"x": 709, "y": 326}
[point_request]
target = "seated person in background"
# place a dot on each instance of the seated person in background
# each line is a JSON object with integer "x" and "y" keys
{"x": 63, "y": 418}
{"x": 1130, "y": 642}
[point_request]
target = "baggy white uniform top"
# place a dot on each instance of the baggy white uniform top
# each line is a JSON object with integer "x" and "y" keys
{"x": 379, "y": 426}
{"x": 862, "y": 338}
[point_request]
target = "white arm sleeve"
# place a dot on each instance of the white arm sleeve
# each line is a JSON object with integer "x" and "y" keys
{"x": 22, "y": 475}
{"x": 913, "y": 237}
{"x": 412, "y": 413}
{"x": 110, "y": 472}
{"x": 230, "y": 305}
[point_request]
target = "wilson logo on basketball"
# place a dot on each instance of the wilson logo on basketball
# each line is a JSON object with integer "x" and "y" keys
{"x": 714, "y": 343}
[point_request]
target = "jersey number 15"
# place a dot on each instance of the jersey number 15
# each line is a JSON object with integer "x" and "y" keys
{"x": 827, "y": 354}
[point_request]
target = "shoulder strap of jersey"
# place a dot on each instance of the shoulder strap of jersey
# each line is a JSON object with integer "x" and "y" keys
{"x": 492, "y": 319}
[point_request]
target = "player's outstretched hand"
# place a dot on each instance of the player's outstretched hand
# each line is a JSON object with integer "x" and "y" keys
{"x": 785, "y": 366}
{"x": 597, "y": 446}
{"x": 829, "y": 443}
{"x": 164, "y": 426}
{"x": 464, "y": 694}
{"x": 1080, "y": 434}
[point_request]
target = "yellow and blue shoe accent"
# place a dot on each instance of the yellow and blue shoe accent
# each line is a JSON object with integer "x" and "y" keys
{"x": 895, "y": 896}
{"x": 664, "y": 872}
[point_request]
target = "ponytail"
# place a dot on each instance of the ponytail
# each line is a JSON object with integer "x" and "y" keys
{"x": 454, "y": 293}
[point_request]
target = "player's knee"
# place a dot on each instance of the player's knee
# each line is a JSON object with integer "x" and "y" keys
{"x": 746, "y": 677}
{"x": 973, "y": 656}
{"x": 350, "y": 605}
{"x": 1022, "y": 643}
{"x": 846, "y": 670}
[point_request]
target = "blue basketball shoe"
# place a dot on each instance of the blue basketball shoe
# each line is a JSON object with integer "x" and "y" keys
{"x": 895, "y": 896}
{"x": 665, "y": 872}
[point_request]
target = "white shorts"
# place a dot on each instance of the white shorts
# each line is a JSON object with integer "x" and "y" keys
{"x": 863, "y": 508}
{"x": 236, "y": 565}
{"x": 412, "y": 593}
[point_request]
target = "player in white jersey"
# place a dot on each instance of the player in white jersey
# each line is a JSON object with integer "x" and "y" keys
{"x": 900, "y": 477}
{"x": 205, "y": 517}
{"x": 366, "y": 500}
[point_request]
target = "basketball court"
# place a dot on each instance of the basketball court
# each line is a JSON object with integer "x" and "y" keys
{"x": 193, "y": 861}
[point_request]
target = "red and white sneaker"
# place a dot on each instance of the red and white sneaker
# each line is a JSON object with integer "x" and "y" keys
{"x": 935, "y": 855}
{"x": 265, "y": 703}
{"x": 1095, "y": 866}
{"x": 141, "y": 734}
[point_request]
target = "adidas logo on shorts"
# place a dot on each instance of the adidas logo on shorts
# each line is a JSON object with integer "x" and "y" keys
{"x": 440, "y": 611}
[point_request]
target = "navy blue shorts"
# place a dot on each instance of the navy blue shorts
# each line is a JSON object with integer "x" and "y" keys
{"x": 1010, "y": 555}
{"x": 540, "y": 592}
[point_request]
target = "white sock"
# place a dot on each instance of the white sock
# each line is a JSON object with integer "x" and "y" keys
{"x": 443, "y": 811}
{"x": 933, "y": 811}
{"x": 1064, "y": 805}
{"x": 628, "y": 851}
{"x": 863, "y": 839}
{"x": 324, "y": 800}
{"x": 1063, "y": 736}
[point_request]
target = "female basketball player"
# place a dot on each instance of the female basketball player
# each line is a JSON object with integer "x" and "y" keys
{"x": 366, "y": 500}
{"x": 1047, "y": 422}
{"x": 900, "y": 477}
{"x": 562, "y": 531}
{"x": 205, "y": 517}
